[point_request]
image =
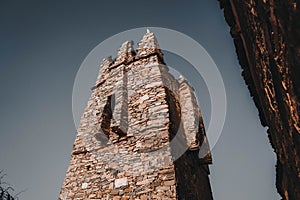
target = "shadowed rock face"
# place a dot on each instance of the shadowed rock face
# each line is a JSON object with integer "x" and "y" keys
{"x": 266, "y": 35}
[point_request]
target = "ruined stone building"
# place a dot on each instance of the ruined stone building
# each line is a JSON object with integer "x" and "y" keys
{"x": 140, "y": 133}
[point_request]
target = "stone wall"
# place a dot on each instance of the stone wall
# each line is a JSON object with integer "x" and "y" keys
{"x": 124, "y": 147}
{"x": 266, "y": 34}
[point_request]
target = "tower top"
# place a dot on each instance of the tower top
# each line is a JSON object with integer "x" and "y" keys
{"x": 125, "y": 52}
{"x": 148, "y": 45}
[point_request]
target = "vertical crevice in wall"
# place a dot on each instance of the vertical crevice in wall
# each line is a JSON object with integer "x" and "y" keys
{"x": 107, "y": 116}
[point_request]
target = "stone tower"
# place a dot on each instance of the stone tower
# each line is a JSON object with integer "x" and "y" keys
{"x": 141, "y": 135}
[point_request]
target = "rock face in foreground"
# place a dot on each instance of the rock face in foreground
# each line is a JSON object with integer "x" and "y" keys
{"x": 140, "y": 134}
{"x": 266, "y": 35}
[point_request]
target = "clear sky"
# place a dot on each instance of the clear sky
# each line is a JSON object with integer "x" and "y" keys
{"x": 42, "y": 45}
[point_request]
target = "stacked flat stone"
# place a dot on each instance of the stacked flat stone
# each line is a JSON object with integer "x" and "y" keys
{"x": 124, "y": 147}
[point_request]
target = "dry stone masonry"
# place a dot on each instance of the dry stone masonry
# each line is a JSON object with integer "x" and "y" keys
{"x": 141, "y": 133}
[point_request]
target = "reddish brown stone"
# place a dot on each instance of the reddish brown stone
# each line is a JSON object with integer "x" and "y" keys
{"x": 266, "y": 35}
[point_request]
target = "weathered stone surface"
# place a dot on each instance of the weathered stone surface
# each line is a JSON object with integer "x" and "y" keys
{"x": 266, "y": 34}
{"x": 123, "y": 149}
